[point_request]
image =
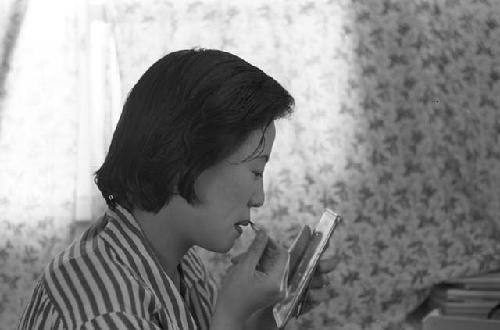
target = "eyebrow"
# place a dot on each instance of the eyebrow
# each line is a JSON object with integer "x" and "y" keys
{"x": 265, "y": 157}
{"x": 249, "y": 159}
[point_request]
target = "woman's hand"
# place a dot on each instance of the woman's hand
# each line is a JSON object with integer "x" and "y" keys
{"x": 315, "y": 293}
{"x": 245, "y": 289}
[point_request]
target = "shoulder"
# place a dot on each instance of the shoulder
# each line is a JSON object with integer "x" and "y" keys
{"x": 193, "y": 260}
{"x": 88, "y": 279}
{"x": 83, "y": 259}
{"x": 40, "y": 312}
{"x": 199, "y": 273}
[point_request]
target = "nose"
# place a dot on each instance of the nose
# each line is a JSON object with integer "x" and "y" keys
{"x": 258, "y": 197}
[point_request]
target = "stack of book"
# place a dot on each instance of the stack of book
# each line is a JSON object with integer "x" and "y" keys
{"x": 469, "y": 297}
{"x": 465, "y": 304}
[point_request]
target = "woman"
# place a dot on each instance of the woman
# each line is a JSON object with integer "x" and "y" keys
{"x": 184, "y": 168}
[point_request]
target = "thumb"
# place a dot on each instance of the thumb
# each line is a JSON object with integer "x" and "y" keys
{"x": 237, "y": 259}
{"x": 255, "y": 250}
{"x": 280, "y": 263}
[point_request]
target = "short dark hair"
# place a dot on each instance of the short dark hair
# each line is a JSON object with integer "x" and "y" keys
{"x": 188, "y": 111}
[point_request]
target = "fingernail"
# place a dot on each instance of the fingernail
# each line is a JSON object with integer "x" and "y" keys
{"x": 299, "y": 309}
{"x": 252, "y": 224}
{"x": 256, "y": 227}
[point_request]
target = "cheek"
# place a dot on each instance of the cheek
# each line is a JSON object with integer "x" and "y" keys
{"x": 228, "y": 191}
{"x": 242, "y": 192}
{"x": 236, "y": 189}
{"x": 230, "y": 205}
{"x": 231, "y": 199}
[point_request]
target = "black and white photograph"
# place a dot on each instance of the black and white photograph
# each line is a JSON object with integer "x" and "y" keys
{"x": 250, "y": 164}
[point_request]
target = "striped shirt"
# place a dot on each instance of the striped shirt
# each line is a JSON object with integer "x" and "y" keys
{"x": 110, "y": 278}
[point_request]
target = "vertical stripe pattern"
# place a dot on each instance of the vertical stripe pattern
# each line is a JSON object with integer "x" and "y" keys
{"x": 110, "y": 279}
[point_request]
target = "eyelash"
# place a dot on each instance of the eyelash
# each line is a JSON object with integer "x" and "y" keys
{"x": 258, "y": 174}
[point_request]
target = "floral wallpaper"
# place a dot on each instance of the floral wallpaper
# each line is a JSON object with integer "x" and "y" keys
{"x": 396, "y": 127}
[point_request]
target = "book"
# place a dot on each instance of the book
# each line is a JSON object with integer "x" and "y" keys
{"x": 472, "y": 297}
{"x": 489, "y": 281}
{"x": 436, "y": 321}
{"x": 458, "y": 294}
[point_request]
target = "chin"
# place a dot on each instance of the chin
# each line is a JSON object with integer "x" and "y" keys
{"x": 225, "y": 250}
{"x": 221, "y": 247}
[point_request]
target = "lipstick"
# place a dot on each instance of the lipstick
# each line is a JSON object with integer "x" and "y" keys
{"x": 255, "y": 226}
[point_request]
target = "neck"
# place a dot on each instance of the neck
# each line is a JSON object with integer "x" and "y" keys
{"x": 164, "y": 236}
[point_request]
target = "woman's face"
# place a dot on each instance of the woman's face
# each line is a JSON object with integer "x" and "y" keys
{"x": 227, "y": 191}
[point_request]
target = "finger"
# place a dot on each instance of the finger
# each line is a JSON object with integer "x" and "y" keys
{"x": 284, "y": 279}
{"x": 318, "y": 271}
{"x": 279, "y": 266}
{"x": 317, "y": 282}
{"x": 327, "y": 245}
{"x": 307, "y": 306}
{"x": 237, "y": 259}
{"x": 255, "y": 250}
{"x": 268, "y": 257}
{"x": 317, "y": 296}
{"x": 326, "y": 265}
{"x": 304, "y": 306}
{"x": 313, "y": 299}
{"x": 299, "y": 246}
{"x": 276, "y": 268}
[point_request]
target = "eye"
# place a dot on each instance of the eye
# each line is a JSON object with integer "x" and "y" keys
{"x": 258, "y": 174}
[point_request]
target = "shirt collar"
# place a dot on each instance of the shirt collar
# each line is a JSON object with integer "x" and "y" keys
{"x": 121, "y": 217}
{"x": 124, "y": 232}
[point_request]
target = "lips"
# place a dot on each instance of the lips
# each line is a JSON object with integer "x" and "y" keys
{"x": 243, "y": 223}
{"x": 238, "y": 226}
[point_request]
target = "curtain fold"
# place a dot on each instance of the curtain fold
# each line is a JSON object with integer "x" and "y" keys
{"x": 100, "y": 102}
{"x": 58, "y": 112}
{"x": 11, "y": 18}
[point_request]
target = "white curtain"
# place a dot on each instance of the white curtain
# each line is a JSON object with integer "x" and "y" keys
{"x": 100, "y": 102}
{"x": 62, "y": 101}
